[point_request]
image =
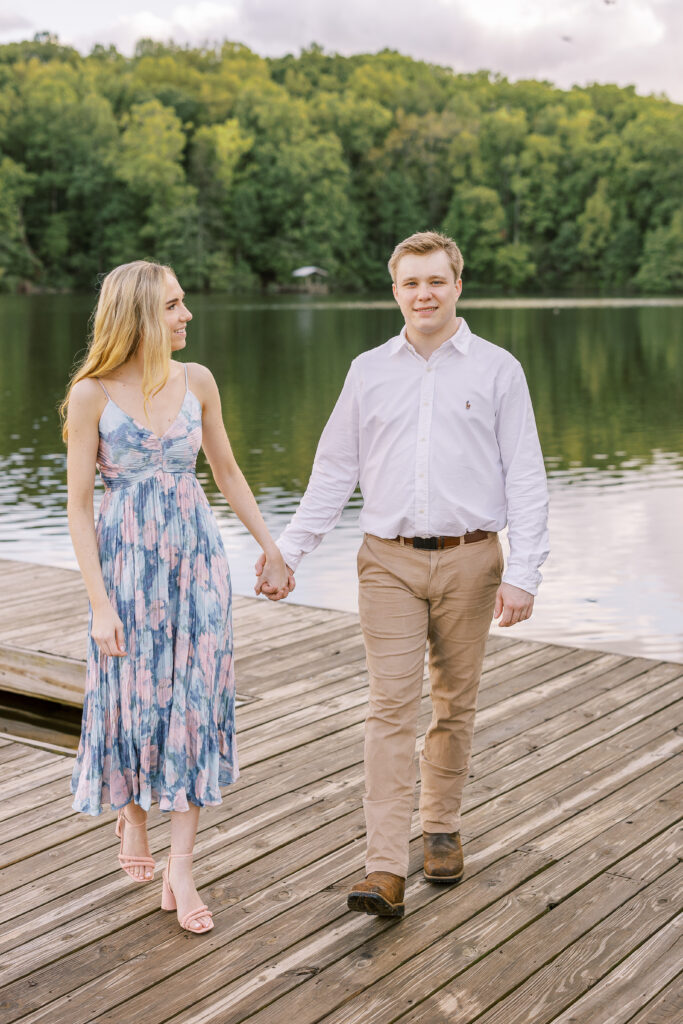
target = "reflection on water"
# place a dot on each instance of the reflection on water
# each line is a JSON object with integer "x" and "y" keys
{"x": 606, "y": 385}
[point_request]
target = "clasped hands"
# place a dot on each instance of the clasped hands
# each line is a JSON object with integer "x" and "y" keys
{"x": 275, "y": 578}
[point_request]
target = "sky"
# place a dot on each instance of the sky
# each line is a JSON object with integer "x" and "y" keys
{"x": 629, "y": 42}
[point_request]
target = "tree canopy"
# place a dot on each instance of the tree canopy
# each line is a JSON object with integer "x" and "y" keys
{"x": 236, "y": 169}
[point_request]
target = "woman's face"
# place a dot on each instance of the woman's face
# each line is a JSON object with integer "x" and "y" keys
{"x": 176, "y": 313}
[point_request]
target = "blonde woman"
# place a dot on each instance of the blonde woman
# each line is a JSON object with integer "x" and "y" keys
{"x": 158, "y": 716}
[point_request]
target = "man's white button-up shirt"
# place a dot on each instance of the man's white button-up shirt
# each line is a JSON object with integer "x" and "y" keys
{"x": 441, "y": 447}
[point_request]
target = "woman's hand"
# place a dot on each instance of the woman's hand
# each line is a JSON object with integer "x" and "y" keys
{"x": 107, "y": 631}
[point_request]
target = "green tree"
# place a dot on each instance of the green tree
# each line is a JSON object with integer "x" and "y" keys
{"x": 476, "y": 220}
{"x": 149, "y": 162}
{"x": 18, "y": 264}
{"x": 661, "y": 268}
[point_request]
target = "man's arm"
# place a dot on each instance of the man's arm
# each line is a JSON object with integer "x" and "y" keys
{"x": 526, "y": 494}
{"x": 333, "y": 479}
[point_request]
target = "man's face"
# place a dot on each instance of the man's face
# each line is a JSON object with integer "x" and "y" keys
{"x": 426, "y": 291}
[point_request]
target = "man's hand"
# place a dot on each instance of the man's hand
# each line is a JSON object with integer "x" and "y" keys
{"x": 264, "y": 587}
{"x": 515, "y": 604}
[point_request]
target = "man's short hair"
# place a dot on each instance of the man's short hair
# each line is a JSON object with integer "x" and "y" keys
{"x": 425, "y": 242}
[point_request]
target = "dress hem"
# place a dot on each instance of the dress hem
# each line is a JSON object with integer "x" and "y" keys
{"x": 85, "y": 809}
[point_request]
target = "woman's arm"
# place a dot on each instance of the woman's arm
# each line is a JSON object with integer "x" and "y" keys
{"x": 86, "y": 403}
{"x": 230, "y": 480}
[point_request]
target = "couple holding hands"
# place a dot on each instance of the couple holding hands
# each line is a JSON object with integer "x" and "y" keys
{"x": 435, "y": 424}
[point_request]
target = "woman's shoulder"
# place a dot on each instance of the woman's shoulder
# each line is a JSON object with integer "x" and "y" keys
{"x": 87, "y": 401}
{"x": 199, "y": 377}
{"x": 88, "y": 391}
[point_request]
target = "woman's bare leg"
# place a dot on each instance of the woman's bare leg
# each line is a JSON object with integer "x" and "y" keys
{"x": 183, "y": 832}
{"x": 135, "y": 842}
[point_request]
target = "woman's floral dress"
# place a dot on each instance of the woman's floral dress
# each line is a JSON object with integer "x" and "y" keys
{"x": 158, "y": 723}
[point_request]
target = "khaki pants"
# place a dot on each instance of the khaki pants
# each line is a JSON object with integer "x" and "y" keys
{"x": 407, "y": 597}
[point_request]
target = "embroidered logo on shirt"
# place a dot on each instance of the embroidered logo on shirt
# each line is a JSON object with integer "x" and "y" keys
{"x": 467, "y": 405}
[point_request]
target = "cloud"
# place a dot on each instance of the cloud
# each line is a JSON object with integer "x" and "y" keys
{"x": 577, "y": 41}
{"x": 11, "y": 22}
{"x": 196, "y": 24}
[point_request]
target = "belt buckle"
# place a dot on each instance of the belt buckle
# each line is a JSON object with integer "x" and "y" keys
{"x": 426, "y": 543}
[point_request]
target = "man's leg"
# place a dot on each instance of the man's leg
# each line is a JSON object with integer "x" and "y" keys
{"x": 394, "y": 615}
{"x": 462, "y": 595}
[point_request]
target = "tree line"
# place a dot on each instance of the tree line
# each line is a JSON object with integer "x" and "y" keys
{"x": 236, "y": 169}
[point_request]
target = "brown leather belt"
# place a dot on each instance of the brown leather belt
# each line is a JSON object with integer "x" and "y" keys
{"x": 438, "y": 543}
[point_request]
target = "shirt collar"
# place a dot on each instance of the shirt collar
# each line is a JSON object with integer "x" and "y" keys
{"x": 460, "y": 340}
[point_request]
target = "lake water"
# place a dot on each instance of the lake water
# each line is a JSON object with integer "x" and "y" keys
{"x": 606, "y": 382}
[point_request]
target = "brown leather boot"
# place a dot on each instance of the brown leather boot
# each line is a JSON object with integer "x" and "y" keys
{"x": 380, "y": 893}
{"x": 443, "y": 857}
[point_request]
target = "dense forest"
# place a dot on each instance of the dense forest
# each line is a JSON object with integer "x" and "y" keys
{"x": 236, "y": 169}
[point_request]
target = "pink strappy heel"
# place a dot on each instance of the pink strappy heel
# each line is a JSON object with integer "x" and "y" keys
{"x": 126, "y": 862}
{"x": 168, "y": 902}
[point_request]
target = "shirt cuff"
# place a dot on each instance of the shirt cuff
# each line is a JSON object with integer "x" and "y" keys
{"x": 291, "y": 557}
{"x": 518, "y": 579}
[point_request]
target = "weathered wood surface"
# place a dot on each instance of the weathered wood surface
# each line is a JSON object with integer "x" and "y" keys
{"x": 569, "y": 911}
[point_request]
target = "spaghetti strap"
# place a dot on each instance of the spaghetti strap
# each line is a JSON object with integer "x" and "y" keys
{"x": 103, "y": 388}
{"x": 186, "y": 384}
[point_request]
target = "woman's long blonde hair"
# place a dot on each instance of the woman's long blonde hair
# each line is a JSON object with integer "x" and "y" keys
{"x": 129, "y": 313}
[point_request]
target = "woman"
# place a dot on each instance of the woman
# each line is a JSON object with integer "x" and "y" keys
{"x": 158, "y": 716}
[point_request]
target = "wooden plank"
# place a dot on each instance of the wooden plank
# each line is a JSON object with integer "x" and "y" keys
{"x": 597, "y": 698}
{"x": 619, "y": 793}
{"x": 16, "y": 758}
{"x": 633, "y": 983}
{"x": 625, "y": 729}
{"x": 665, "y": 1008}
{"x": 550, "y": 989}
{"x": 54, "y": 769}
{"x": 38, "y": 674}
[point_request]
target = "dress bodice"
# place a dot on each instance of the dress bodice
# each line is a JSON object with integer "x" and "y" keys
{"x": 129, "y": 453}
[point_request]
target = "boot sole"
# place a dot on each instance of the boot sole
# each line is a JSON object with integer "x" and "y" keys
{"x": 373, "y": 903}
{"x": 444, "y": 879}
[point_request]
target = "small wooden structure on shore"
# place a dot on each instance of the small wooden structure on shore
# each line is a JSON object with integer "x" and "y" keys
{"x": 311, "y": 279}
{"x": 569, "y": 911}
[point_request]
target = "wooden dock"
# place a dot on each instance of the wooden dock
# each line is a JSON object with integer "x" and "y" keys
{"x": 569, "y": 911}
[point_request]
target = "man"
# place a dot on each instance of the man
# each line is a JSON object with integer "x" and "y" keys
{"x": 437, "y": 426}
